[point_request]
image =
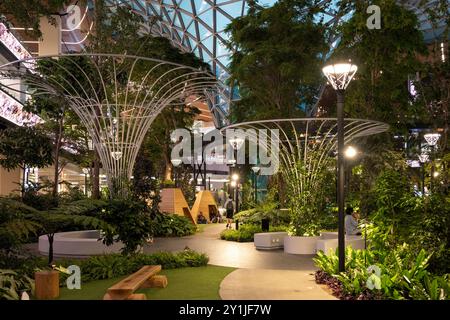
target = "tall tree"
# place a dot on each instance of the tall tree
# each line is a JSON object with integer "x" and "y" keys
{"x": 386, "y": 60}
{"x": 276, "y": 59}
{"x": 28, "y": 13}
{"x": 23, "y": 147}
{"x": 60, "y": 123}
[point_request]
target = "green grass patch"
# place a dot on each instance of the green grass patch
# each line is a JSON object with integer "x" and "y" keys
{"x": 246, "y": 232}
{"x": 184, "y": 284}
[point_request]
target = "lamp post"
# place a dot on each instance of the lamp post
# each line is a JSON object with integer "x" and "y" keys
{"x": 423, "y": 158}
{"x": 236, "y": 143}
{"x": 85, "y": 171}
{"x": 235, "y": 183}
{"x": 255, "y": 182}
{"x": 339, "y": 76}
{"x": 175, "y": 163}
{"x": 432, "y": 140}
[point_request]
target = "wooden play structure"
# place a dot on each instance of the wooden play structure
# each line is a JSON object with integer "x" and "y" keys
{"x": 173, "y": 201}
{"x": 146, "y": 277}
{"x": 206, "y": 204}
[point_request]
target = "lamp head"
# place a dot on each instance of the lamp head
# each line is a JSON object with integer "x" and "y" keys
{"x": 116, "y": 155}
{"x": 423, "y": 158}
{"x": 176, "y": 162}
{"x": 256, "y": 169}
{"x": 350, "y": 152}
{"x": 236, "y": 142}
{"x": 339, "y": 75}
{"x": 432, "y": 138}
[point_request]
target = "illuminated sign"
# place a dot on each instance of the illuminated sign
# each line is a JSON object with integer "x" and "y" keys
{"x": 11, "y": 42}
{"x": 12, "y": 110}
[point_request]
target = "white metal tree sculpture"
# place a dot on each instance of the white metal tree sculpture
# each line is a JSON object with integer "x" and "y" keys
{"x": 310, "y": 142}
{"x": 307, "y": 151}
{"x": 117, "y": 97}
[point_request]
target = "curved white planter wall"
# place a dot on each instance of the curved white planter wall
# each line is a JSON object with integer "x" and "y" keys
{"x": 78, "y": 244}
{"x": 300, "y": 245}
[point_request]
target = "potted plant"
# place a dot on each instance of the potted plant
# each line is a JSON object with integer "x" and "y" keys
{"x": 304, "y": 231}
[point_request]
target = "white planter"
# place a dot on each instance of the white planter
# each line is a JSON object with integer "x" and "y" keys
{"x": 269, "y": 240}
{"x": 78, "y": 244}
{"x": 329, "y": 235}
{"x": 300, "y": 245}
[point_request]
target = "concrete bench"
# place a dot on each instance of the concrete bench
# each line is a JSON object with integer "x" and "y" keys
{"x": 269, "y": 240}
{"x": 329, "y": 245}
{"x": 146, "y": 277}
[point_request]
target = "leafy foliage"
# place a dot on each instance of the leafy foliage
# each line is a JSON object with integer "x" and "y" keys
{"x": 24, "y": 146}
{"x": 276, "y": 59}
{"x": 15, "y": 228}
{"x": 28, "y": 13}
{"x": 12, "y": 284}
{"x": 131, "y": 223}
{"x": 246, "y": 232}
{"x": 116, "y": 265}
{"x": 172, "y": 225}
{"x": 403, "y": 274}
{"x": 385, "y": 61}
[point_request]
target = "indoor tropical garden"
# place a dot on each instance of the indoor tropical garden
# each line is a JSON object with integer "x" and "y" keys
{"x": 230, "y": 150}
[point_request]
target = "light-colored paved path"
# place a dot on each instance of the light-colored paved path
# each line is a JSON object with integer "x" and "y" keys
{"x": 265, "y": 284}
{"x": 232, "y": 254}
{"x": 262, "y": 275}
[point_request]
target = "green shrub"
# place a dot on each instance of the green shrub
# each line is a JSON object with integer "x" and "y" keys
{"x": 13, "y": 283}
{"x": 246, "y": 232}
{"x": 277, "y": 217}
{"x": 172, "y": 225}
{"x": 116, "y": 265}
{"x": 15, "y": 228}
{"x": 86, "y": 207}
{"x": 402, "y": 274}
{"x": 131, "y": 223}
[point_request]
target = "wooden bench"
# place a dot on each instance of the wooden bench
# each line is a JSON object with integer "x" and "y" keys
{"x": 146, "y": 277}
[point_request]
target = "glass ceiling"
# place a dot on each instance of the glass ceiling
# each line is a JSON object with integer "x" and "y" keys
{"x": 198, "y": 26}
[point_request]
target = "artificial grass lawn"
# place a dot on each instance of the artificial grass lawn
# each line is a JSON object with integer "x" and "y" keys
{"x": 200, "y": 283}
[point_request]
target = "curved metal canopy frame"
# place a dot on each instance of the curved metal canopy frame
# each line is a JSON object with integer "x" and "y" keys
{"x": 308, "y": 145}
{"x": 116, "y": 97}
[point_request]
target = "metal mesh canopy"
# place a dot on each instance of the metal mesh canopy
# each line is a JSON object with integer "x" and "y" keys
{"x": 308, "y": 145}
{"x": 117, "y": 97}
{"x": 198, "y": 26}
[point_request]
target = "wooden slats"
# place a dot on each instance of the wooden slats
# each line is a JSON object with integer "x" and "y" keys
{"x": 127, "y": 286}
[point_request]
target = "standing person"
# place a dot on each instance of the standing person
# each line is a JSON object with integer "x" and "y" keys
{"x": 230, "y": 207}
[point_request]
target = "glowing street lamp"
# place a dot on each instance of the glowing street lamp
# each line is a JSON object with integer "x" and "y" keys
{"x": 256, "y": 170}
{"x": 339, "y": 76}
{"x": 350, "y": 152}
{"x": 423, "y": 158}
{"x": 432, "y": 138}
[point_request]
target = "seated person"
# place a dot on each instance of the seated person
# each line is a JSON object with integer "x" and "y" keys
{"x": 351, "y": 223}
{"x": 201, "y": 218}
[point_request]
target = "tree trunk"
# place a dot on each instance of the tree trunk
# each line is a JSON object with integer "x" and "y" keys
{"x": 57, "y": 149}
{"x": 23, "y": 181}
{"x": 50, "y": 237}
{"x": 95, "y": 180}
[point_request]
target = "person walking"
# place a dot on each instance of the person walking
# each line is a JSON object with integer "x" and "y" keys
{"x": 230, "y": 207}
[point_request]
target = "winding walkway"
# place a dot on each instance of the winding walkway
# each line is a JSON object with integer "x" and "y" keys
{"x": 261, "y": 275}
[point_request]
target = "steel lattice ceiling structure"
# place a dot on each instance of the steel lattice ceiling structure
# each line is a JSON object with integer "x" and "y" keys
{"x": 198, "y": 26}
